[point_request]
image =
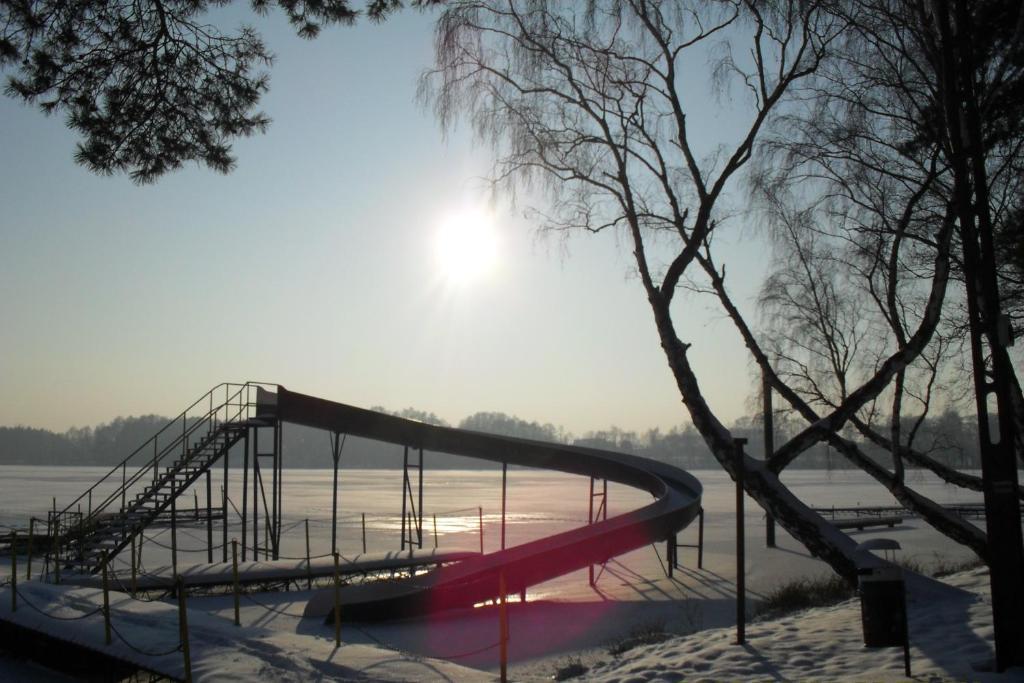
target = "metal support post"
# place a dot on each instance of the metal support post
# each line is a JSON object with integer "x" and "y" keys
{"x": 183, "y": 627}
{"x": 769, "y": 448}
{"x": 337, "y": 444}
{"x": 245, "y": 489}
{"x": 224, "y": 510}
{"x": 174, "y": 527}
{"x": 503, "y": 625}
{"x": 594, "y": 516}
{"x": 419, "y": 505}
{"x": 309, "y": 566}
{"x": 106, "y": 601}
{"x": 504, "y": 485}
{"x": 31, "y": 533}
{"x": 234, "y": 577}
{"x": 209, "y": 518}
{"x": 741, "y": 579}
{"x": 364, "y": 533}
{"x": 700, "y": 540}
{"x": 337, "y": 603}
{"x": 134, "y": 578}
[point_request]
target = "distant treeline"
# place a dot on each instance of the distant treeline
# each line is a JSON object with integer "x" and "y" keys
{"x": 948, "y": 438}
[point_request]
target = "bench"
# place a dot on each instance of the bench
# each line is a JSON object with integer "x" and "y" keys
{"x": 861, "y": 523}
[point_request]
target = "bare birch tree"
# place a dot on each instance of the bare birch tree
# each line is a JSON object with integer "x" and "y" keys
{"x": 590, "y": 106}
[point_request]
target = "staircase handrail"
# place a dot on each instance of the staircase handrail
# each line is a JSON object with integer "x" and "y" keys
{"x": 152, "y": 462}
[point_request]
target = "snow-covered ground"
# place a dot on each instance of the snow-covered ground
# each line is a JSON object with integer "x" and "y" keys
{"x": 950, "y": 629}
{"x": 565, "y": 621}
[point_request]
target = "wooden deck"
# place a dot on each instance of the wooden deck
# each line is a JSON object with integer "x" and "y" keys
{"x": 146, "y": 637}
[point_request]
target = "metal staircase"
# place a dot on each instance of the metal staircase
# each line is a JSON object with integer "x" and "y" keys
{"x": 167, "y": 465}
{"x": 114, "y": 532}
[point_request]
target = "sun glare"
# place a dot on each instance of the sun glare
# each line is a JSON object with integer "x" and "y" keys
{"x": 467, "y": 246}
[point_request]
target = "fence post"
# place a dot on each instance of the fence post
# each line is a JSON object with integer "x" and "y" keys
{"x": 234, "y": 575}
{"x": 700, "y": 539}
{"x": 56, "y": 552}
{"x": 503, "y": 629}
{"x": 480, "y": 514}
{"x": 14, "y": 571}
{"x": 309, "y": 566}
{"x": 183, "y": 627}
{"x": 337, "y": 603}
{"x": 174, "y": 527}
{"x": 364, "y": 533}
{"x": 31, "y": 533}
{"x": 435, "y": 531}
{"x": 135, "y": 570}
{"x": 106, "y": 601}
{"x": 741, "y": 579}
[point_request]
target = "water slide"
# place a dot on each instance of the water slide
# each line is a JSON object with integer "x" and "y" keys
{"x": 677, "y": 500}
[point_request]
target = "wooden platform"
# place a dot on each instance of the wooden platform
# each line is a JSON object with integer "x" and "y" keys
{"x": 861, "y": 523}
{"x": 146, "y": 637}
{"x": 220, "y": 574}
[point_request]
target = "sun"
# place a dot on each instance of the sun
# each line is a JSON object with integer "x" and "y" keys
{"x": 466, "y": 245}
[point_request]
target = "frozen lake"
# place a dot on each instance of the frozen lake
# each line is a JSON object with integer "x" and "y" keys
{"x": 539, "y": 503}
{"x": 632, "y": 592}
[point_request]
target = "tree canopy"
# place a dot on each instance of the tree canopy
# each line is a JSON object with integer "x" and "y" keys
{"x": 152, "y": 85}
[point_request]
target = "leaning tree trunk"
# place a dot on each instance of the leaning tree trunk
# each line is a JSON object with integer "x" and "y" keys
{"x": 820, "y": 537}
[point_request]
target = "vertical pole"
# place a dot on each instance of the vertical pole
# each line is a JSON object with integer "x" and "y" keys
{"x": 14, "y": 571}
{"x": 334, "y": 494}
{"x": 209, "y": 517}
{"x": 309, "y": 567}
{"x": 503, "y": 628}
{"x": 741, "y": 579}
{"x": 275, "y": 482}
{"x": 769, "y": 449}
{"x": 56, "y": 551}
{"x": 234, "y": 577}
{"x": 90, "y": 503}
{"x": 53, "y": 528}
{"x": 419, "y": 505}
{"x": 124, "y": 481}
{"x": 31, "y": 533}
{"x": 245, "y": 488}
{"x": 700, "y": 540}
{"x": 134, "y": 569}
{"x": 183, "y": 627}
{"x": 195, "y": 505}
{"x": 504, "y": 482}
{"x": 670, "y": 554}
{"x": 337, "y": 604}
{"x": 435, "y": 532}
{"x": 155, "y": 460}
{"x": 480, "y": 514}
{"x": 256, "y": 476}
{"x": 106, "y": 601}
{"x": 224, "y": 511}
{"x": 405, "y": 489}
{"x": 590, "y": 520}
{"x": 364, "y": 533}
{"x": 174, "y": 528}
{"x": 142, "y": 537}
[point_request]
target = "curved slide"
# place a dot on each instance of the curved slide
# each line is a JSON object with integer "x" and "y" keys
{"x": 677, "y": 502}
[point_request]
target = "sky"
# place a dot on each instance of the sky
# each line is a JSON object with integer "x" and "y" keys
{"x": 314, "y": 265}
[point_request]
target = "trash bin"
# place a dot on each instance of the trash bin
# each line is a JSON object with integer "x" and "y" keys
{"x": 883, "y": 606}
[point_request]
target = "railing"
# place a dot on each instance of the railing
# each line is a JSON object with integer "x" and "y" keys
{"x": 207, "y": 411}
